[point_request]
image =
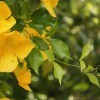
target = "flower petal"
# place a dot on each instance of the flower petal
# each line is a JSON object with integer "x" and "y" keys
{"x": 5, "y": 25}
{"x": 26, "y": 87}
{"x": 23, "y": 45}
{"x": 4, "y": 10}
{"x": 8, "y": 62}
{"x": 23, "y": 76}
{"x": 31, "y": 31}
{"x": 52, "y": 2}
{"x": 49, "y": 8}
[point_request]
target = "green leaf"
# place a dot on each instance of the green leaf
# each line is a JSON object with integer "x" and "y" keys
{"x": 2, "y": 95}
{"x": 35, "y": 58}
{"x": 15, "y": 7}
{"x": 93, "y": 79}
{"x": 39, "y": 23}
{"x": 58, "y": 72}
{"x": 27, "y": 8}
{"x": 50, "y": 55}
{"x": 38, "y": 27}
{"x": 60, "y": 48}
{"x": 19, "y": 26}
{"x": 41, "y": 43}
{"x": 25, "y": 14}
{"x": 52, "y": 30}
{"x": 4, "y": 85}
{"x": 82, "y": 64}
{"x": 88, "y": 69}
{"x": 45, "y": 19}
{"x": 86, "y": 50}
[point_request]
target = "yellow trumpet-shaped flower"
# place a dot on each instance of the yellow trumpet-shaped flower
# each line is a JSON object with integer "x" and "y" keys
{"x": 23, "y": 76}
{"x": 50, "y": 4}
{"x": 13, "y": 46}
{"x": 6, "y": 20}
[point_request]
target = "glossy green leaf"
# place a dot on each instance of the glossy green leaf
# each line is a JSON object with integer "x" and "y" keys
{"x": 60, "y": 48}
{"x": 41, "y": 43}
{"x": 52, "y": 30}
{"x": 50, "y": 55}
{"x": 82, "y": 64}
{"x": 93, "y": 79}
{"x": 19, "y": 26}
{"x": 86, "y": 50}
{"x": 58, "y": 72}
{"x": 35, "y": 58}
{"x": 15, "y": 7}
{"x": 27, "y": 8}
{"x": 38, "y": 27}
{"x": 45, "y": 19}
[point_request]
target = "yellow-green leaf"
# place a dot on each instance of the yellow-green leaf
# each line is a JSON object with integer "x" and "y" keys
{"x": 58, "y": 72}
{"x": 60, "y": 48}
{"x": 93, "y": 79}
{"x": 88, "y": 69}
{"x": 86, "y": 50}
{"x": 82, "y": 64}
{"x": 50, "y": 55}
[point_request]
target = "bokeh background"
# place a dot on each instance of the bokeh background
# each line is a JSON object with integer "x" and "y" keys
{"x": 78, "y": 21}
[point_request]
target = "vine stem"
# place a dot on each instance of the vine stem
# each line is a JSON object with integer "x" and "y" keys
{"x": 97, "y": 68}
{"x": 67, "y": 64}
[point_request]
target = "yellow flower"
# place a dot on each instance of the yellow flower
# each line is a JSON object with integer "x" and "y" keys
{"x": 6, "y": 20}
{"x": 13, "y": 46}
{"x": 23, "y": 76}
{"x": 50, "y": 4}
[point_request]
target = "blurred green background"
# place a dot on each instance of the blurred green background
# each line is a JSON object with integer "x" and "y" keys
{"x": 78, "y": 21}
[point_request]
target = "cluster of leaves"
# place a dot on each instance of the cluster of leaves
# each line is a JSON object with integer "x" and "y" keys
{"x": 29, "y": 10}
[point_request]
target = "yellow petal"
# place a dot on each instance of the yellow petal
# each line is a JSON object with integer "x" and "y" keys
{"x": 4, "y": 10}
{"x": 12, "y": 46}
{"x": 50, "y": 4}
{"x": 31, "y": 31}
{"x": 23, "y": 76}
{"x": 50, "y": 9}
{"x": 26, "y": 87}
{"x": 8, "y": 62}
{"x": 5, "y": 25}
{"x": 20, "y": 70}
{"x": 23, "y": 45}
